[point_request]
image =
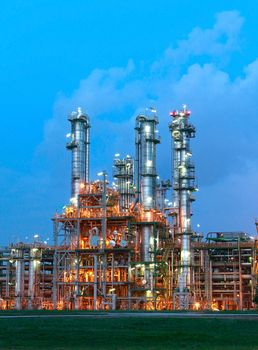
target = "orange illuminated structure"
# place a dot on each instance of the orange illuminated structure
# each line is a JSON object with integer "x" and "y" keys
{"x": 126, "y": 247}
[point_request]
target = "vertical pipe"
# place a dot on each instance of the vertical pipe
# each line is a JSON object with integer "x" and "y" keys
{"x": 129, "y": 281}
{"x": 87, "y": 153}
{"x": 95, "y": 282}
{"x": 54, "y": 289}
{"x": 137, "y": 162}
{"x": 76, "y": 286}
{"x": 104, "y": 210}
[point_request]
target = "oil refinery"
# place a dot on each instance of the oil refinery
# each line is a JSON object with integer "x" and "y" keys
{"x": 122, "y": 245}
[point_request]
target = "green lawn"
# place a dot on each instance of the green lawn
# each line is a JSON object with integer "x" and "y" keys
{"x": 128, "y": 333}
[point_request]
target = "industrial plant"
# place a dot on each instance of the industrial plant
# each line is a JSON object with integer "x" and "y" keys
{"x": 121, "y": 244}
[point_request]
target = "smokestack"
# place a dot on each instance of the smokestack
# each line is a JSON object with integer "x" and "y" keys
{"x": 79, "y": 145}
{"x": 183, "y": 184}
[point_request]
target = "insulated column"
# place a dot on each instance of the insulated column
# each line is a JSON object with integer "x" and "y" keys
{"x": 79, "y": 145}
{"x": 146, "y": 141}
{"x": 183, "y": 186}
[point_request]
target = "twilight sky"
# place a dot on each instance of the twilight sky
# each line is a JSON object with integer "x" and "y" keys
{"x": 114, "y": 58}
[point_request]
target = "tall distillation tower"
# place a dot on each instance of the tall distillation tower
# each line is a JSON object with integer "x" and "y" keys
{"x": 183, "y": 185}
{"x": 79, "y": 145}
{"x": 146, "y": 182}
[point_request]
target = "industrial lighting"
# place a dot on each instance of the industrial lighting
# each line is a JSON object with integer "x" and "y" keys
{"x": 68, "y": 135}
{"x": 147, "y": 128}
{"x": 149, "y": 163}
{"x": 73, "y": 200}
{"x": 197, "y": 305}
{"x": 36, "y": 236}
{"x": 185, "y": 254}
{"x": 100, "y": 174}
{"x": 117, "y": 155}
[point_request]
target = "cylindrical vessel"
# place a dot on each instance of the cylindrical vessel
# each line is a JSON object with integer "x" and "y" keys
{"x": 33, "y": 268}
{"x": 79, "y": 145}
{"x": 183, "y": 186}
{"x": 146, "y": 140}
{"x": 19, "y": 278}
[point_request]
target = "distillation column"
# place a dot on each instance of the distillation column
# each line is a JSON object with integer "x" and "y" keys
{"x": 18, "y": 256}
{"x": 34, "y": 267}
{"x": 79, "y": 145}
{"x": 123, "y": 172}
{"x": 146, "y": 140}
{"x": 183, "y": 186}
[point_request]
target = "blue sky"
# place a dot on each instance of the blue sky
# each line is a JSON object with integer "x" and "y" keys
{"x": 114, "y": 58}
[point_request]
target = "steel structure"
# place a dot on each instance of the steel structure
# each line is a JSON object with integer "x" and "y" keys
{"x": 115, "y": 247}
{"x": 124, "y": 174}
{"x": 183, "y": 185}
{"x": 79, "y": 145}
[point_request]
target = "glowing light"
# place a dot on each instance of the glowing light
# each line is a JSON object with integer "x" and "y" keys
{"x": 117, "y": 155}
{"x": 147, "y": 128}
{"x": 68, "y": 135}
{"x": 149, "y": 163}
{"x": 185, "y": 254}
{"x": 173, "y": 114}
{"x": 73, "y": 200}
{"x": 197, "y": 305}
{"x": 100, "y": 174}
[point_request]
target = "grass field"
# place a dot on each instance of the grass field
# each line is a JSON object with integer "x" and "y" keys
{"x": 128, "y": 333}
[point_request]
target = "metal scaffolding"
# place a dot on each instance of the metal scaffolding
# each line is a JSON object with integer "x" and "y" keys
{"x": 115, "y": 247}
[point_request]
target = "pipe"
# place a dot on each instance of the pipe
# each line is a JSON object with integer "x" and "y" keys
{"x": 95, "y": 281}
